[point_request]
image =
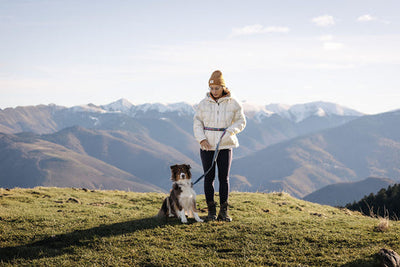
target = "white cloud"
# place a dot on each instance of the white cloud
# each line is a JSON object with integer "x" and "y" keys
{"x": 333, "y": 46}
{"x": 258, "y": 29}
{"x": 324, "y": 21}
{"x": 329, "y": 44}
{"x": 365, "y": 18}
{"x": 368, "y": 18}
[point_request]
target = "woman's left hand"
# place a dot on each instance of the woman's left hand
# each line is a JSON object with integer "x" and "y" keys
{"x": 205, "y": 145}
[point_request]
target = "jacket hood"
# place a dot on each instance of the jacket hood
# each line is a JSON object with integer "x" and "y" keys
{"x": 225, "y": 97}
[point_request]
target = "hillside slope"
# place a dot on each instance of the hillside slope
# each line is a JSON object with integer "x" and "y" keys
{"x": 37, "y": 119}
{"x": 72, "y": 227}
{"x": 135, "y": 153}
{"x": 28, "y": 161}
{"x": 344, "y": 193}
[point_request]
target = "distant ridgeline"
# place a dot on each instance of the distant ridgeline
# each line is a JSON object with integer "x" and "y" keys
{"x": 385, "y": 203}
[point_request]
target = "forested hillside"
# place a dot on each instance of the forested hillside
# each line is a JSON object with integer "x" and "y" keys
{"x": 386, "y": 203}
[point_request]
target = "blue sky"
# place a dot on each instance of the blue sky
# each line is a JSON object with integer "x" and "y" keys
{"x": 289, "y": 52}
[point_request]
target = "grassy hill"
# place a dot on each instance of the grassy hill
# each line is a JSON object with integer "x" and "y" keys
{"x": 71, "y": 227}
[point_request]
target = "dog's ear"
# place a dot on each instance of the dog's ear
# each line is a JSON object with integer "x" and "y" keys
{"x": 173, "y": 166}
{"x": 187, "y": 166}
{"x": 173, "y": 171}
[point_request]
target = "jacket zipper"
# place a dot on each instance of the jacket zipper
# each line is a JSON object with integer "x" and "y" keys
{"x": 216, "y": 133}
{"x": 217, "y": 114}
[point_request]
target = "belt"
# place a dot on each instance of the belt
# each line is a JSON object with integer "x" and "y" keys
{"x": 214, "y": 129}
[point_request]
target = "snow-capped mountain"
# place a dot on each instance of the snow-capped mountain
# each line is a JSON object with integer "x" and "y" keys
{"x": 300, "y": 112}
{"x": 294, "y": 113}
{"x": 121, "y": 105}
{"x": 126, "y": 107}
{"x": 88, "y": 108}
{"x": 181, "y": 108}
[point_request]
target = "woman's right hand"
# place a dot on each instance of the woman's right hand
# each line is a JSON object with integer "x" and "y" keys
{"x": 205, "y": 145}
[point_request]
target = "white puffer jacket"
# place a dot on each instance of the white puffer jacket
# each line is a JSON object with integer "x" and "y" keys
{"x": 227, "y": 113}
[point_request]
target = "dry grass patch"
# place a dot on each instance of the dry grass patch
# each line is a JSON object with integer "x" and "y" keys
{"x": 383, "y": 224}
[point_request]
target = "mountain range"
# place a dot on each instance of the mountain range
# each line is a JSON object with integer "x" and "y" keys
{"x": 364, "y": 147}
{"x": 298, "y": 148}
{"x": 266, "y": 124}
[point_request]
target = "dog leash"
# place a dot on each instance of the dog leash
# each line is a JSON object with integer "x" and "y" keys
{"x": 215, "y": 156}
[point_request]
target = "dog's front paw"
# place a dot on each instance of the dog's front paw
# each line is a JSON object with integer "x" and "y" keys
{"x": 181, "y": 214}
{"x": 197, "y": 218}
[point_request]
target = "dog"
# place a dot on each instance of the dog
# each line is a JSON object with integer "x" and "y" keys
{"x": 182, "y": 197}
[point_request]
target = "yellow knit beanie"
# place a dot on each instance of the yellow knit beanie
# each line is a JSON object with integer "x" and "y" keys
{"x": 216, "y": 79}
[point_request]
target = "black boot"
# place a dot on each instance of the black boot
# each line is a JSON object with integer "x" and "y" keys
{"x": 212, "y": 211}
{"x": 223, "y": 213}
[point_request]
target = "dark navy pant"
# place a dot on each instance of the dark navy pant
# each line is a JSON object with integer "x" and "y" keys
{"x": 223, "y": 163}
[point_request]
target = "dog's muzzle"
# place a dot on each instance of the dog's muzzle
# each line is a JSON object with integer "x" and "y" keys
{"x": 183, "y": 175}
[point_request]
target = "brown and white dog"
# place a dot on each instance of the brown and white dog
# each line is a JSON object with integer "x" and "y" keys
{"x": 182, "y": 198}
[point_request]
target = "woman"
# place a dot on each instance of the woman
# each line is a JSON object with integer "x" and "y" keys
{"x": 218, "y": 115}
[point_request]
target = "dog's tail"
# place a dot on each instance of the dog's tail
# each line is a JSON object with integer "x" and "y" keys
{"x": 164, "y": 209}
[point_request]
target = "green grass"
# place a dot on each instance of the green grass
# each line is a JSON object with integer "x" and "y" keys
{"x": 75, "y": 227}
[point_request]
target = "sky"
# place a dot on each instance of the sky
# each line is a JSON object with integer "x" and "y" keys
{"x": 69, "y": 52}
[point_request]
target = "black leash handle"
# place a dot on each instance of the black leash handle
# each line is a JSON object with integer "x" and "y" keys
{"x": 215, "y": 156}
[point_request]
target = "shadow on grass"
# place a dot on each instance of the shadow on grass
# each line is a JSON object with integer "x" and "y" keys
{"x": 64, "y": 244}
{"x": 370, "y": 261}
